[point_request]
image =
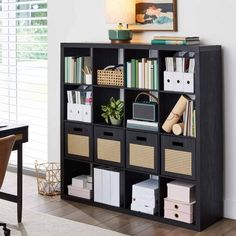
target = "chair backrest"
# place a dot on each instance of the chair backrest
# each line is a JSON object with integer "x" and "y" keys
{"x": 6, "y": 145}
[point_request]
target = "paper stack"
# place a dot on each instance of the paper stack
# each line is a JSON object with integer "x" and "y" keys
{"x": 81, "y": 186}
{"x": 145, "y": 196}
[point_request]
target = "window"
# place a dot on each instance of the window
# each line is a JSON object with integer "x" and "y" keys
{"x": 23, "y": 72}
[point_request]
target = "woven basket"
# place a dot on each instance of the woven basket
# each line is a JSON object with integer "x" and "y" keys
{"x": 110, "y": 77}
{"x": 48, "y": 178}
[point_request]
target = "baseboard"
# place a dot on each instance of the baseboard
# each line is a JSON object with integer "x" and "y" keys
{"x": 230, "y": 209}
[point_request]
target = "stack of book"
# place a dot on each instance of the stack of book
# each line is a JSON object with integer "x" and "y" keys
{"x": 145, "y": 196}
{"x": 77, "y": 68}
{"x": 172, "y": 40}
{"x": 143, "y": 73}
{"x": 81, "y": 186}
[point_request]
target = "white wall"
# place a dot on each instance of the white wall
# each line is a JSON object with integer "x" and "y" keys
{"x": 214, "y": 22}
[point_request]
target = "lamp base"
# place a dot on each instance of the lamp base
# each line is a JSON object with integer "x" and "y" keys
{"x": 120, "y": 35}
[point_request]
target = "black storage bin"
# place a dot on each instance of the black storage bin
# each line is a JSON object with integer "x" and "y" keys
{"x": 109, "y": 145}
{"x": 78, "y": 141}
{"x": 178, "y": 157}
{"x": 142, "y": 151}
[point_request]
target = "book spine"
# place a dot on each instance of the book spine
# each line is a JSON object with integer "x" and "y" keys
{"x": 66, "y": 69}
{"x": 128, "y": 71}
{"x": 133, "y": 73}
{"x": 169, "y": 42}
{"x": 146, "y": 75}
{"x": 156, "y": 75}
{"x": 136, "y": 74}
{"x": 151, "y": 86}
{"x": 140, "y": 74}
{"x": 143, "y": 73}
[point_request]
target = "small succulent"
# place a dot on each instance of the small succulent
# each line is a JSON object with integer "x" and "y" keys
{"x": 115, "y": 110}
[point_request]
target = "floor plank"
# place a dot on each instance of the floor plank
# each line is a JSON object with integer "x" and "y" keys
{"x": 116, "y": 221}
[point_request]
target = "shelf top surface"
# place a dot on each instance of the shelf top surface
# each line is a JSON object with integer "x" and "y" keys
{"x": 140, "y": 45}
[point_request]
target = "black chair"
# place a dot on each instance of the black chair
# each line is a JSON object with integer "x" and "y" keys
{"x": 6, "y": 145}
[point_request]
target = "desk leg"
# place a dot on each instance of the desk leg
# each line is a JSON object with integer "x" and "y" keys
{"x": 19, "y": 183}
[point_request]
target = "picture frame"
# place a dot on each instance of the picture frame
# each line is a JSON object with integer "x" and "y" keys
{"x": 155, "y": 15}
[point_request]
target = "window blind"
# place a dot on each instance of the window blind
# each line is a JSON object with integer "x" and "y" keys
{"x": 23, "y": 72}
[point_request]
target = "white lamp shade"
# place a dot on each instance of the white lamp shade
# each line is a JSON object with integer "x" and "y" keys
{"x": 120, "y": 11}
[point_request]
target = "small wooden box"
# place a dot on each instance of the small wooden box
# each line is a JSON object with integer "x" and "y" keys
{"x": 141, "y": 150}
{"x": 78, "y": 140}
{"x": 181, "y": 191}
{"x": 109, "y": 145}
{"x": 178, "y": 157}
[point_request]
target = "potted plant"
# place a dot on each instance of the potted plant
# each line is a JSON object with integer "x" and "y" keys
{"x": 113, "y": 112}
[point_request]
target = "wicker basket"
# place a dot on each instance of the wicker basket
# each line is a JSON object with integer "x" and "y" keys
{"x": 48, "y": 178}
{"x": 110, "y": 77}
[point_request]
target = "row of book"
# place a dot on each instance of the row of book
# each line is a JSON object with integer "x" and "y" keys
{"x": 77, "y": 68}
{"x": 180, "y": 64}
{"x": 173, "y": 40}
{"x": 189, "y": 120}
{"x": 79, "y": 97}
{"x": 143, "y": 74}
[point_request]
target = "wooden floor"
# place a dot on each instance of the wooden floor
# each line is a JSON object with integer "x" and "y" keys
{"x": 104, "y": 218}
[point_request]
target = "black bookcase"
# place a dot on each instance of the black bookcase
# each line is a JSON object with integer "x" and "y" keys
{"x": 207, "y": 146}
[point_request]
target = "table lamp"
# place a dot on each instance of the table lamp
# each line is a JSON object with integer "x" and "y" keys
{"x": 120, "y": 12}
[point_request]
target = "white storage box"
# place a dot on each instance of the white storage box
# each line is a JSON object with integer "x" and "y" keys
{"x": 178, "y": 84}
{"x": 168, "y": 81}
{"x": 79, "y": 181}
{"x": 79, "y": 112}
{"x": 87, "y": 113}
{"x": 188, "y": 82}
{"x": 143, "y": 202}
{"x": 149, "y": 186}
{"x": 79, "y": 192}
{"x": 74, "y": 112}
{"x": 144, "y": 209}
{"x": 181, "y": 191}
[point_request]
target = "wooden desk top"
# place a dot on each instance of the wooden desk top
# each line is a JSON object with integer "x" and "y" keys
{"x": 21, "y": 132}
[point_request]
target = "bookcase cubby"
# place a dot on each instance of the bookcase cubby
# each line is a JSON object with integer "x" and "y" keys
{"x": 135, "y": 154}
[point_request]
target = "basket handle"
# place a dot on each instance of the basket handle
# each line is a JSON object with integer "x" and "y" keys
{"x": 114, "y": 67}
{"x": 148, "y": 94}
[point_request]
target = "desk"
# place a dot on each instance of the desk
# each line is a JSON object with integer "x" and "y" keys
{"x": 21, "y": 132}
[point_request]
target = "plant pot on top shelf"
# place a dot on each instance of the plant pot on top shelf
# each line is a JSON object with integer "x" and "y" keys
{"x": 113, "y": 112}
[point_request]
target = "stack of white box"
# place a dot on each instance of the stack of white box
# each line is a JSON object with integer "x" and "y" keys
{"x": 81, "y": 186}
{"x": 145, "y": 196}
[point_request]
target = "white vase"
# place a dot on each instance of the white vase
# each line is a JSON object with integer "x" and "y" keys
{"x": 115, "y": 121}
